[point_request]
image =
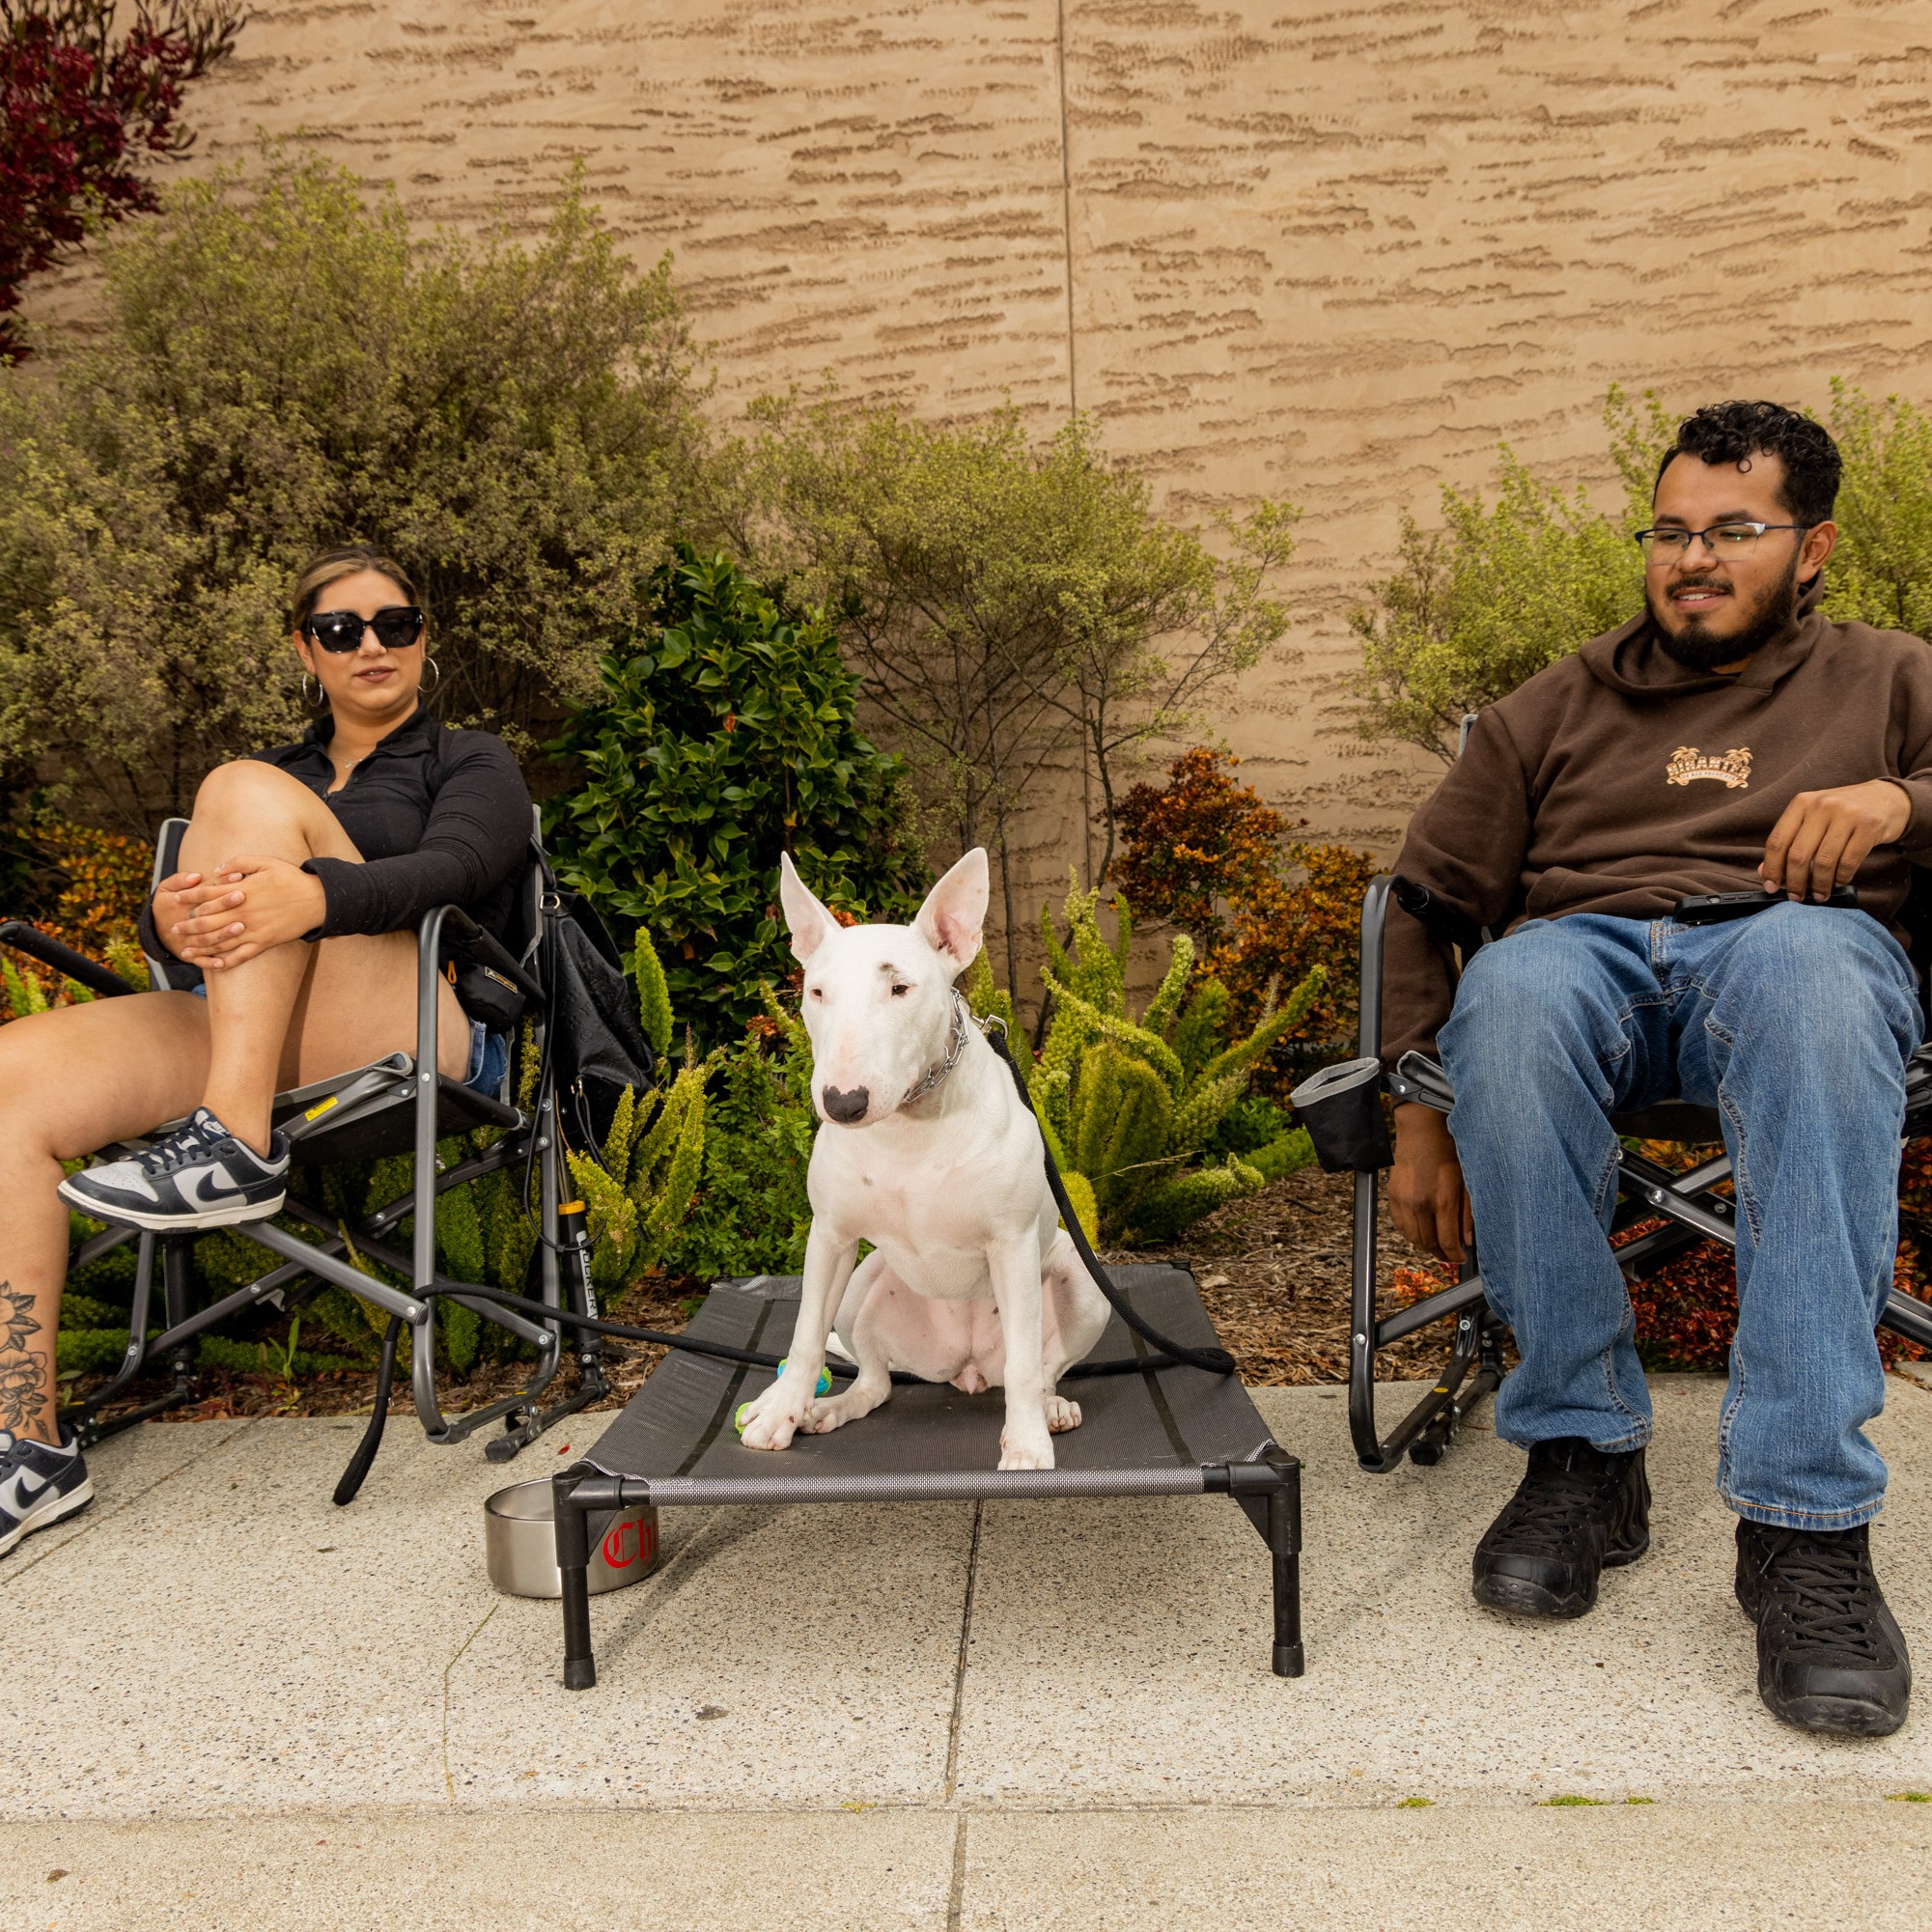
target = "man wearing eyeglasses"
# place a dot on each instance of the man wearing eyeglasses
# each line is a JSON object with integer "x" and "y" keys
{"x": 1731, "y": 737}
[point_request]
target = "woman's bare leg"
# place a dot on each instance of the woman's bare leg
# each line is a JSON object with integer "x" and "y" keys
{"x": 81, "y": 1077}
{"x": 248, "y": 807}
{"x": 72, "y": 1081}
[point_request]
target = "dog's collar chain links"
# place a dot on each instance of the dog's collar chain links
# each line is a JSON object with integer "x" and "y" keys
{"x": 937, "y": 1072}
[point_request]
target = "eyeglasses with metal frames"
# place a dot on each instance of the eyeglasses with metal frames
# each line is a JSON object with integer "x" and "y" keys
{"x": 1723, "y": 540}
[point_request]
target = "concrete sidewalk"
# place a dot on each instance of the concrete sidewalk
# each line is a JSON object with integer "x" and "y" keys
{"x": 1046, "y": 1715}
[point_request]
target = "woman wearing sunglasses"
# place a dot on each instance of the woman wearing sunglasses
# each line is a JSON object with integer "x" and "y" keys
{"x": 304, "y": 872}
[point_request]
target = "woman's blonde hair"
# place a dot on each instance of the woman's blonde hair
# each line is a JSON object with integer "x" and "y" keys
{"x": 345, "y": 560}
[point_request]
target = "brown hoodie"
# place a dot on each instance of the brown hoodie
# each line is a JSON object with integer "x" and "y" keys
{"x": 1618, "y": 781}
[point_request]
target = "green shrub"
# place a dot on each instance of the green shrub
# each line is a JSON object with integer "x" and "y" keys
{"x": 279, "y": 365}
{"x": 1011, "y": 606}
{"x": 725, "y": 734}
{"x": 752, "y": 1214}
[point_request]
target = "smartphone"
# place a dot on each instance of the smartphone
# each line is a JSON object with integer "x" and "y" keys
{"x": 1713, "y": 909}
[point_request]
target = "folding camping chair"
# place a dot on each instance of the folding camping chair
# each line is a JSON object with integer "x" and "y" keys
{"x": 1342, "y": 1109}
{"x": 397, "y": 1104}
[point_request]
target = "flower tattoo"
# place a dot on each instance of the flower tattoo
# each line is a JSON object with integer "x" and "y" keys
{"x": 23, "y": 1398}
{"x": 16, "y": 1317}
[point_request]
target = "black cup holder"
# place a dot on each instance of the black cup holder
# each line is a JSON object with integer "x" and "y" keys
{"x": 1341, "y": 1108}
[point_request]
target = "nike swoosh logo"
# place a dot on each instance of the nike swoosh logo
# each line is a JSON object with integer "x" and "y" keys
{"x": 21, "y": 1493}
{"x": 208, "y": 1188}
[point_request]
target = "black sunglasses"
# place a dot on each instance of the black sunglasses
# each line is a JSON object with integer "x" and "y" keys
{"x": 396, "y": 628}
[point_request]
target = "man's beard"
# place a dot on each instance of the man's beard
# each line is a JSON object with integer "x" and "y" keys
{"x": 1697, "y": 650}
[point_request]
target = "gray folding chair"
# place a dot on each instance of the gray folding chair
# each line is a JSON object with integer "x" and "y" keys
{"x": 1342, "y": 1109}
{"x": 400, "y": 1103}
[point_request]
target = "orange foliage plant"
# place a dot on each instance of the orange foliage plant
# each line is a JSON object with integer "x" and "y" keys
{"x": 1206, "y": 854}
{"x": 101, "y": 883}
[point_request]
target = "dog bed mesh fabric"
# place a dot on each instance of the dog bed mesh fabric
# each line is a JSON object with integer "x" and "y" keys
{"x": 1150, "y": 1432}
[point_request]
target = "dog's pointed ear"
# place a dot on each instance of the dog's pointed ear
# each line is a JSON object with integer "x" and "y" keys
{"x": 954, "y": 914}
{"x": 808, "y": 921}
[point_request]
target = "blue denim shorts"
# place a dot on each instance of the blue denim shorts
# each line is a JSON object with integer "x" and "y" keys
{"x": 489, "y": 1059}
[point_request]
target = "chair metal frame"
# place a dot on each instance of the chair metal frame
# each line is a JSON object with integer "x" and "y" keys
{"x": 395, "y": 1105}
{"x": 1687, "y": 1203}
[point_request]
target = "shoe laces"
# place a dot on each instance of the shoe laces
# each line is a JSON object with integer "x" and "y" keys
{"x": 1824, "y": 1589}
{"x": 182, "y": 1148}
{"x": 1558, "y": 1496}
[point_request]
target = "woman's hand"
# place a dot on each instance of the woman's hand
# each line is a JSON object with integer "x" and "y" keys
{"x": 170, "y": 908}
{"x": 1426, "y": 1195}
{"x": 245, "y": 907}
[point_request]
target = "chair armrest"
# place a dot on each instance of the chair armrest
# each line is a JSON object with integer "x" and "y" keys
{"x": 38, "y": 945}
{"x": 479, "y": 945}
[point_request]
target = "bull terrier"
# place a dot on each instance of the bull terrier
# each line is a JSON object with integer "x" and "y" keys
{"x": 926, "y": 1149}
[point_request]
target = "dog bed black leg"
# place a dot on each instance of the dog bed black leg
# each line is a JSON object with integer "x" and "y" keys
{"x": 573, "y": 1566}
{"x": 1284, "y": 1544}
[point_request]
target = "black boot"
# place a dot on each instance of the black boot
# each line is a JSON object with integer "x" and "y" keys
{"x": 1830, "y": 1657}
{"x": 1576, "y": 1509}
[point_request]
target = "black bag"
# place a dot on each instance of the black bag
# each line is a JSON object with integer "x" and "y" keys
{"x": 596, "y": 1045}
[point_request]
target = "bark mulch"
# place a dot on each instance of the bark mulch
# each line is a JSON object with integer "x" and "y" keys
{"x": 1274, "y": 1274}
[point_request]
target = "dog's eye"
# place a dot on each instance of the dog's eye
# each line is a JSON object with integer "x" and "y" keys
{"x": 815, "y": 992}
{"x": 900, "y": 991}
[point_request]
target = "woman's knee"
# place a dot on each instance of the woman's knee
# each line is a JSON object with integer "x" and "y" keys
{"x": 248, "y": 785}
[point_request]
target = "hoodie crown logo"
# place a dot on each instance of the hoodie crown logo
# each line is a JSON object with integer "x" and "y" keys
{"x": 1732, "y": 768}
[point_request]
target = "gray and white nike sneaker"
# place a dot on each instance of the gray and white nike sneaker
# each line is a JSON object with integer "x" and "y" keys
{"x": 200, "y": 1176}
{"x": 39, "y": 1485}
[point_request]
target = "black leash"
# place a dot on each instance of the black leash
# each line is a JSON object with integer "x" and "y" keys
{"x": 1173, "y": 1353}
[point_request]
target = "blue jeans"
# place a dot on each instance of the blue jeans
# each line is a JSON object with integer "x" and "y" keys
{"x": 1796, "y": 1026}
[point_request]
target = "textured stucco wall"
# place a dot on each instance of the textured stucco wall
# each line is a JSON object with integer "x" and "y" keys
{"x": 1328, "y": 250}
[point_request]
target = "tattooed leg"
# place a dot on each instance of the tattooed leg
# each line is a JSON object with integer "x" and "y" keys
{"x": 26, "y": 1374}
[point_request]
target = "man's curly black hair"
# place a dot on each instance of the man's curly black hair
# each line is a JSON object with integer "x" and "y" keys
{"x": 1736, "y": 432}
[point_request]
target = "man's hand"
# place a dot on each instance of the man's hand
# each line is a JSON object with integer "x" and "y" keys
{"x": 1426, "y": 1194}
{"x": 247, "y": 905}
{"x": 1824, "y": 838}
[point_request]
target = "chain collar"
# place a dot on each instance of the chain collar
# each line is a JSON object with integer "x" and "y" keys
{"x": 936, "y": 1073}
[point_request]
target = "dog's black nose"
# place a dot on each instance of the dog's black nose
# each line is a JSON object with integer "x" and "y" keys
{"x": 847, "y": 1107}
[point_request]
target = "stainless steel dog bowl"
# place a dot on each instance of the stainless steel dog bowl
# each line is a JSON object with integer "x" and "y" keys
{"x": 519, "y": 1540}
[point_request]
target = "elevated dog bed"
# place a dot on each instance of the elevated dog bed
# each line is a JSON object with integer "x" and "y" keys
{"x": 1175, "y": 1431}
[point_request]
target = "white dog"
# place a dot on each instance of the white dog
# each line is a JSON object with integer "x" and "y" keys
{"x": 926, "y": 1150}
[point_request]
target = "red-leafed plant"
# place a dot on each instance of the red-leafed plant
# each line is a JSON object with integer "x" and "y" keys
{"x": 1207, "y": 854}
{"x": 80, "y": 102}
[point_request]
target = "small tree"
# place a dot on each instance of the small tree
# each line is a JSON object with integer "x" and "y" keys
{"x": 279, "y": 367}
{"x": 80, "y": 98}
{"x": 1008, "y": 606}
{"x": 724, "y": 735}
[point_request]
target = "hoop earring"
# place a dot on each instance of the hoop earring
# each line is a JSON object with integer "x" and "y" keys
{"x": 431, "y": 664}
{"x": 314, "y": 703}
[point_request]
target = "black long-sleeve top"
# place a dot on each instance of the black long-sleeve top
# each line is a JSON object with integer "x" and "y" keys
{"x": 440, "y": 818}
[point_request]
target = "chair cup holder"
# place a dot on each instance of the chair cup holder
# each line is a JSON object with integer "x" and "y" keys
{"x": 1341, "y": 1108}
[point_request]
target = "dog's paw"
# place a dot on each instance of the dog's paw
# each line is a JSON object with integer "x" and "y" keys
{"x": 771, "y": 1421}
{"x": 1062, "y": 1414}
{"x": 1025, "y": 1451}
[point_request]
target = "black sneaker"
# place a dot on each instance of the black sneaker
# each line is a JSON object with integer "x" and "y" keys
{"x": 1577, "y": 1510}
{"x": 1830, "y": 1656}
{"x": 200, "y": 1176}
{"x": 39, "y": 1485}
